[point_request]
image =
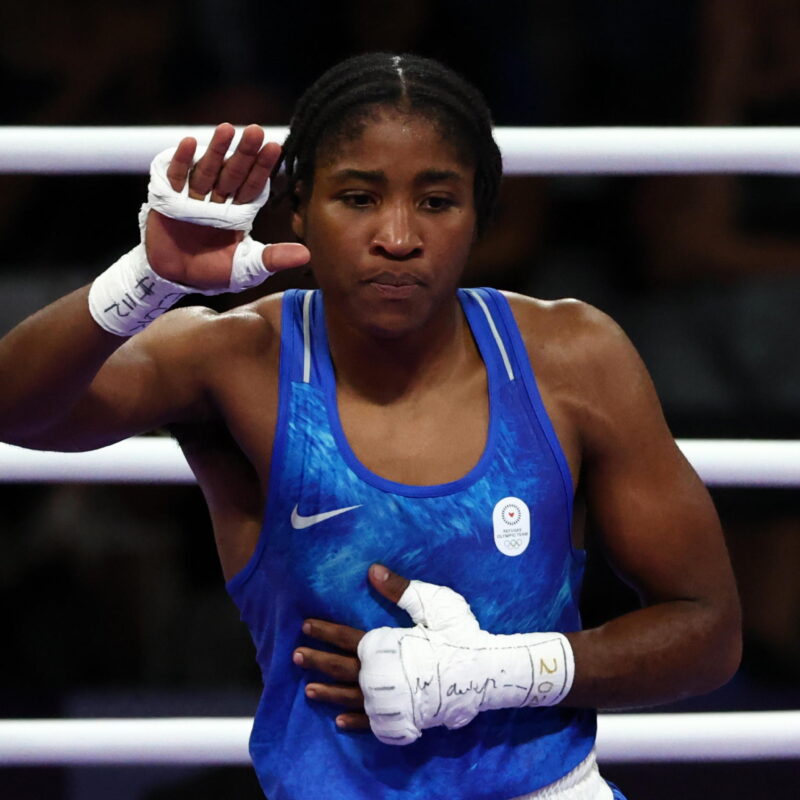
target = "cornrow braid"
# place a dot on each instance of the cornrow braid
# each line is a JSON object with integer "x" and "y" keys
{"x": 336, "y": 107}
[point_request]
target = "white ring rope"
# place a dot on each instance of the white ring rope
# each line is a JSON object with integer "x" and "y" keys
{"x": 142, "y": 459}
{"x": 526, "y": 151}
{"x": 621, "y": 738}
{"x": 152, "y": 459}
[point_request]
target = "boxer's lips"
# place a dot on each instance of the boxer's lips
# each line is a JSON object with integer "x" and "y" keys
{"x": 394, "y": 286}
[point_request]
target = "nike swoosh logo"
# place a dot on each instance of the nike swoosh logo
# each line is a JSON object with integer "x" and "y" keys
{"x": 299, "y": 521}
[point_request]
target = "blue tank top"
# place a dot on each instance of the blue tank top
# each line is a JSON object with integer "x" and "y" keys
{"x": 460, "y": 534}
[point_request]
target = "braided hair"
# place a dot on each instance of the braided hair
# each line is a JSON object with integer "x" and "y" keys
{"x": 341, "y": 102}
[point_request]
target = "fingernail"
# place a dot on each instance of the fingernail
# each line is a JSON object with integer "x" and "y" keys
{"x": 298, "y": 658}
{"x": 310, "y": 692}
{"x": 340, "y": 722}
{"x": 380, "y": 572}
{"x": 306, "y": 627}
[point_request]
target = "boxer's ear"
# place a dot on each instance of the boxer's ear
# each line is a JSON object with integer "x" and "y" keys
{"x": 299, "y": 211}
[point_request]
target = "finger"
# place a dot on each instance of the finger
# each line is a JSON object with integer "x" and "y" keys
{"x": 352, "y": 722}
{"x": 277, "y": 257}
{"x": 342, "y": 636}
{"x": 343, "y": 669}
{"x": 259, "y": 173}
{"x": 336, "y": 694}
{"x": 206, "y": 171}
{"x": 236, "y": 169}
{"x": 181, "y": 163}
{"x": 388, "y": 583}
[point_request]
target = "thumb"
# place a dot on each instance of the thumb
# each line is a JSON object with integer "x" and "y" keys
{"x": 278, "y": 257}
{"x": 438, "y": 608}
{"x": 388, "y": 583}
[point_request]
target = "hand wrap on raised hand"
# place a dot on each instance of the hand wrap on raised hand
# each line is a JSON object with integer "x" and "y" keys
{"x": 163, "y": 198}
{"x": 445, "y": 669}
{"x": 129, "y": 295}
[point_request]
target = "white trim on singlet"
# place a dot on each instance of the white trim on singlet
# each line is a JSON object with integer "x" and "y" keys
{"x": 493, "y": 328}
{"x": 307, "y": 337}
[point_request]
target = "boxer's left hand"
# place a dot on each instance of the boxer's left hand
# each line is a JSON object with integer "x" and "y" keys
{"x": 344, "y": 667}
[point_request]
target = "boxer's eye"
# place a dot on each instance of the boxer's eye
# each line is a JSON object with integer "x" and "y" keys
{"x": 357, "y": 200}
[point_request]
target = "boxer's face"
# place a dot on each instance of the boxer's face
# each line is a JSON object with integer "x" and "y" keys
{"x": 390, "y": 221}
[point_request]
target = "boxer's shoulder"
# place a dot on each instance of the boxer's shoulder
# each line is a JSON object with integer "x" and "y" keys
{"x": 213, "y": 351}
{"x": 562, "y": 323}
{"x": 576, "y": 350}
{"x": 200, "y": 332}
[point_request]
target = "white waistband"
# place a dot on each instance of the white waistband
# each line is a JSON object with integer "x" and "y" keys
{"x": 582, "y": 783}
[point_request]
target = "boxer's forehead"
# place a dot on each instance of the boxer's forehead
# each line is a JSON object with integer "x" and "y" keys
{"x": 394, "y": 143}
{"x": 392, "y": 130}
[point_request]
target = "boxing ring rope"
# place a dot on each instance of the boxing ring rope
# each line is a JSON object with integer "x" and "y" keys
{"x": 526, "y": 151}
{"x": 155, "y": 459}
{"x": 622, "y": 738}
{"x": 723, "y": 736}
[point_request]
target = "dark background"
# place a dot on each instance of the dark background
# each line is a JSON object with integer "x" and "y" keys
{"x": 112, "y": 600}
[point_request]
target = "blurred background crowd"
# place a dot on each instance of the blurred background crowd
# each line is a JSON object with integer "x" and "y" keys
{"x": 112, "y": 601}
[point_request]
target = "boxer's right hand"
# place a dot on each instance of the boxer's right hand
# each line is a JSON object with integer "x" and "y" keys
{"x": 199, "y": 255}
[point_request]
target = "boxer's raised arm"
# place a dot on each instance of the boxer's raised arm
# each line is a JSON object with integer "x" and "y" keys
{"x": 69, "y": 385}
{"x": 47, "y": 362}
{"x": 62, "y": 389}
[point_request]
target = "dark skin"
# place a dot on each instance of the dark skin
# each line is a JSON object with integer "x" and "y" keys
{"x": 389, "y": 223}
{"x": 344, "y": 669}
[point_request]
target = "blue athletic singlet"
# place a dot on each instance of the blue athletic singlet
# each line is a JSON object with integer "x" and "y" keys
{"x": 310, "y": 563}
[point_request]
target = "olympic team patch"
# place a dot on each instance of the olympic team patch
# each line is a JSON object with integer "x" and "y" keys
{"x": 511, "y": 519}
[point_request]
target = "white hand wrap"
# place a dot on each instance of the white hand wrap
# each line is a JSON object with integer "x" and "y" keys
{"x": 129, "y": 295}
{"x": 445, "y": 669}
{"x": 163, "y": 198}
